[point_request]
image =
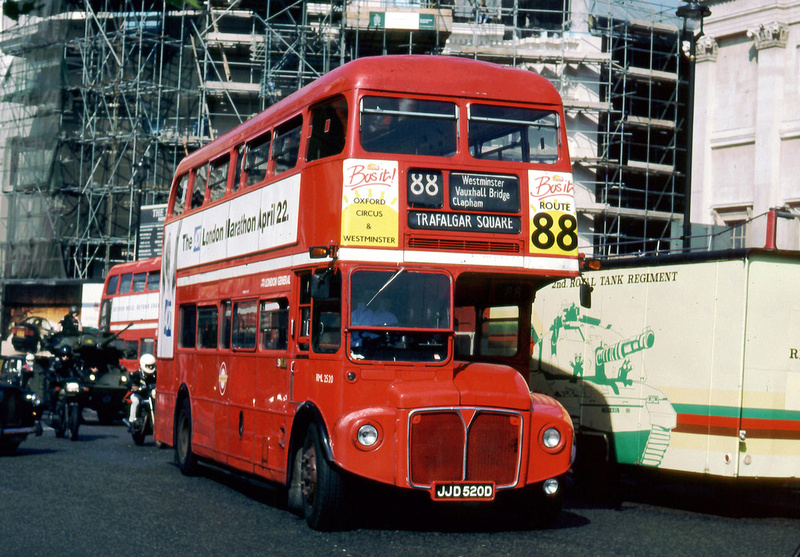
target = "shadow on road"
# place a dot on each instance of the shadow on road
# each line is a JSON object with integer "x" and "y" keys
{"x": 713, "y": 496}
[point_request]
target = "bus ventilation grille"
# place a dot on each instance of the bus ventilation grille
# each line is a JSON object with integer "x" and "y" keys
{"x": 445, "y": 445}
{"x": 447, "y": 244}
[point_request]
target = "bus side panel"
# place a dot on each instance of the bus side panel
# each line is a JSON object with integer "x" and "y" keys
{"x": 165, "y": 410}
{"x": 321, "y": 217}
{"x": 655, "y": 365}
{"x": 771, "y": 397}
{"x": 209, "y": 421}
{"x": 240, "y": 390}
{"x": 271, "y": 399}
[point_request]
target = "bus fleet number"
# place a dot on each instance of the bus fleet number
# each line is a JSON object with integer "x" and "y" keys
{"x": 548, "y": 233}
{"x": 324, "y": 378}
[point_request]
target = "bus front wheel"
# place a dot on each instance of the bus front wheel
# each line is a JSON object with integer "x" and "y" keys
{"x": 184, "y": 457}
{"x": 322, "y": 486}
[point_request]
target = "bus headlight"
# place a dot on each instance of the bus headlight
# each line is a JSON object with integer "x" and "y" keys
{"x": 73, "y": 386}
{"x": 367, "y": 435}
{"x": 551, "y": 438}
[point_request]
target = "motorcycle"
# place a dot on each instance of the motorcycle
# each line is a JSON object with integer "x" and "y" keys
{"x": 145, "y": 420}
{"x": 65, "y": 418}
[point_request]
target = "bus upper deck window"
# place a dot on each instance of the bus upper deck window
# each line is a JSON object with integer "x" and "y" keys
{"x": 286, "y": 147}
{"x": 125, "y": 283}
{"x": 409, "y": 126}
{"x": 153, "y": 279}
{"x": 111, "y": 287}
{"x": 199, "y": 189}
{"x": 513, "y": 134}
{"x": 328, "y": 129}
{"x": 139, "y": 281}
{"x": 180, "y": 195}
{"x": 256, "y": 158}
{"x": 217, "y": 179}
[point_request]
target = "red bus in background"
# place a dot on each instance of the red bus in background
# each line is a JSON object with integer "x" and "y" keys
{"x": 347, "y": 282}
{"x": 129, "y": 306}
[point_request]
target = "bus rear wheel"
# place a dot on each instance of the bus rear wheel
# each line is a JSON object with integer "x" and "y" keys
{"x": 322, "y": 486}
{"x": 184, "y": 457}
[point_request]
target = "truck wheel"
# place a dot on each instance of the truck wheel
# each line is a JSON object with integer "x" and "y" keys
{"x": 184, "y": 457}
{"x": 106, "y": 416}
{"x": 8, "y": 446}
{"x": 322, "y": 486}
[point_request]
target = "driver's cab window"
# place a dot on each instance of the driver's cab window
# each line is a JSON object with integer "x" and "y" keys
{"x": 326, "y": 291}
{"x": 399, "y": 315}
{"x": 303, "y": 330}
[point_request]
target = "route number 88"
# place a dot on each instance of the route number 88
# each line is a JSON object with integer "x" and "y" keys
{"x": 547, "y": 233}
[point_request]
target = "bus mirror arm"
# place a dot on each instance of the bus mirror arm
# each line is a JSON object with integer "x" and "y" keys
{"x": 586, "y": 293}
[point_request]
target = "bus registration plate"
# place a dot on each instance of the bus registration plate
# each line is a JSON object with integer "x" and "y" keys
{"x": 463, "y": 491}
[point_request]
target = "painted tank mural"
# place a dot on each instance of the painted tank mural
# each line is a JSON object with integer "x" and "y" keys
{"x": 598, "y": 373}
{"x": 687, "y": 363}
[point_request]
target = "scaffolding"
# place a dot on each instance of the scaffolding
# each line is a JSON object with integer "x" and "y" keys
{"x": 100, "y": 99}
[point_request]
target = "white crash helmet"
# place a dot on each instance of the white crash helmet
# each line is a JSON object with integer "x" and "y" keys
{"x": 147, "y": 363}
{"x": 29, "y": 358}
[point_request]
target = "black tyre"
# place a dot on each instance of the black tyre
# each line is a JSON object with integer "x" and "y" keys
{"x": 294, "y": 496}
{"x": 322, "y": 486}
{"x": 184, "y": 457}
{"x": 139, "y": 432}
{"x": 74, "y": 421}
{"x": 59, "y": 420}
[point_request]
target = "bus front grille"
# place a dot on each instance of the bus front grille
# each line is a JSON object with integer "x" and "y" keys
{"x": 472, "y": 246}
{"x": 464, "y": 444}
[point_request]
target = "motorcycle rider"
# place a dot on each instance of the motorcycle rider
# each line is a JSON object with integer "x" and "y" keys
{"x": 61, "y": 367}
{"x": 28, "y": 371}
{"x": 143, "y": 378}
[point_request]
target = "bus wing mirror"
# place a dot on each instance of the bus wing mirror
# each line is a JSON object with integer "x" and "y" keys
{"x": 586, "y": 295}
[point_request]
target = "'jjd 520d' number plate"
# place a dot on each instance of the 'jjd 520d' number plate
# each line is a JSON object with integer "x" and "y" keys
{"x": 463, "y": 491}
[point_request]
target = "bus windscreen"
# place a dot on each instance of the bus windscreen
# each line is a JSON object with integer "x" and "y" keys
{"x": 400, "y": 315}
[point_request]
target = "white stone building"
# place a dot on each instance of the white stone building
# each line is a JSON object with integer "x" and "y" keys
{"x": 746, "y": 147}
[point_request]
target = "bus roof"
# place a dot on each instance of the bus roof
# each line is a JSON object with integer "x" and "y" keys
{"x": 415, "y": 74}
{"x": 154, "y": 263}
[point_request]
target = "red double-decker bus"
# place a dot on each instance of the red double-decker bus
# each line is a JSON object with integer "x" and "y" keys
{"x": 347, "y": 282}
{"x": 129, "y": 307}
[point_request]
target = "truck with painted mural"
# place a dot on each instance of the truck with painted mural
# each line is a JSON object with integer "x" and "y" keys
{"x": 686, "y": 363}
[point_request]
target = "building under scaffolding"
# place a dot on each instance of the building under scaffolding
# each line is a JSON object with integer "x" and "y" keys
{"x": 100, "y": 99}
